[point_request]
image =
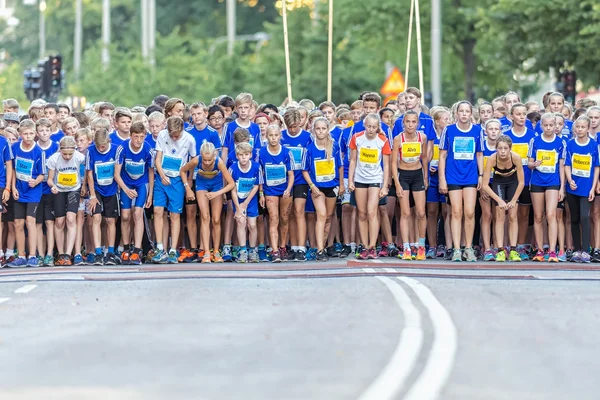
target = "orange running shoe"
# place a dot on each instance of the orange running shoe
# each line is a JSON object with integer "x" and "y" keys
{"x": 206, "y": 258}
{"x": 183, "y": 254}
{"x": 421, "y": 254}
{"x": 217, "y": 257}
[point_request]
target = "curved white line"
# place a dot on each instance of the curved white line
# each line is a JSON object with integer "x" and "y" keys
{"x": 443, "y": 350}
{"x": 392, "y": 378}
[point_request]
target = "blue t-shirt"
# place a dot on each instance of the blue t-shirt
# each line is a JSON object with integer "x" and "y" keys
{"x": 425, "y": 127}
{"x": 462, "y": 146}
{"x": 28, "y": 164}
{"x": 6, "y": 155}
{"x": 567, "y": 130}
{"x": 360, "y": 127}
{"x": 344, "y": 141}
{"x": 55, "y": 137}
{"x": 336, "y": 133}
{"x": 521, "y": 147}
{"x": 53, "y": 148}
{"x": 582, "y": 158}
{"x": 151, "y": 141}
{"x": 254, "y": 130}
{"x": 435, "y": 159}
{"x": 102, "y": 166}
{"x": 274, "y": 170}
{"x": 135, "y": 165}
{"x": 207, "y": 134}
{"x": 323, "y": 172}
{"x": 505, "y": 124}
{"x": 245, "y": 181}
{"x": 296, "y": 146}
{"x": 551, "y": 152}
{"x": 117, "y": 140}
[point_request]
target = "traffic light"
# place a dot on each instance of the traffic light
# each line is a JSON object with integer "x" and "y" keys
{"x": 33, "y": 83}
{"x": 46, "y": 80}
{"x": 56, "y": 72}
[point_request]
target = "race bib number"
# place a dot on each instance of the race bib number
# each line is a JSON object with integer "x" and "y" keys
{"x": 435, "y": 160}
{"x": 581, "y": 165}
{"x": 23, "y": 169}
{"x": 411, "y": 152}
{"x": 171, "y": 166}
{"x": 275, "y": 174}
{"x": 244, "y": 187}
{"x": 105, "y": 173}
{"x": 67, "y": 179}
{"x": 548, "y": 159}
{"x": 369, "y": 158}
{"x": 296, "y": 153}
{"x": 134, "y": 169}
{"x": 522, "y": 149}
{"x": 325, "y": 170}
{"x": 463, "y": 148}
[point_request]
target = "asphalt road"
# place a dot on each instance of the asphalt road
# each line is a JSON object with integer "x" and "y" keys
{"x": 358, "y": 337}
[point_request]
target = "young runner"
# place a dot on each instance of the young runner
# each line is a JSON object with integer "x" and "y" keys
{"x": 66, "y": 184}
{"x": 6, "y": 177}
{"x": 492, "y": 132}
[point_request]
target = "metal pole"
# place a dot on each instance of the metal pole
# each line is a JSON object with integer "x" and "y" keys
{"x": 151, "y": 30}
{"x": 105, "y": 33}
{"x": 42, "y": 7}
{"x": 286, "y": 47}
{"x": 230, "y": 26}
{"x": 436, "y": 52}
{"x": 78, "y": 37}
{"x": 410, "y": 23}
{"x": 144, "y": 33}
{"x": 419, "y": 52}
{"x": 330, "y": 52}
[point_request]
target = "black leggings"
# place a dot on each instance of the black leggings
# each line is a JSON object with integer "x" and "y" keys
{"x": 580, "y": 219}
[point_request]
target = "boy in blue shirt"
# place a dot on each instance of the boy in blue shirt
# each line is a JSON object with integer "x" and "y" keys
{"x": 27, "y": 191}
{"x": 6, "y": 177}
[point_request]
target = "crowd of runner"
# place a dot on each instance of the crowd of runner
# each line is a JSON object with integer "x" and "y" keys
{"x": 240, "y": 181}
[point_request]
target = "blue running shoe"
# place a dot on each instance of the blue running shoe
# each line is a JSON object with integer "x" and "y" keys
{"x": 78, "y": 260}
{"x": 33, "y": 262}
{"x": 19, "y": 263}
{"x": 160, "y": 257}
{"x": 226, "y": 254}
{"x": 262, "y": 254}
{"x": 172, "y": 259}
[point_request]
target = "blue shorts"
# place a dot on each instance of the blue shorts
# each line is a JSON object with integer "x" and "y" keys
{"x": 434, "y": 195}
{"x": 210, "y": 185}
{"x": 252, "y": 210}
{"x": 139, "y": 201}
{"x": 171, "y": 197}
{"x": 310, "y": 206}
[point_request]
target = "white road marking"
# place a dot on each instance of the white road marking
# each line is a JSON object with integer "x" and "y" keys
{"x": 25, "y": 289}
{"x": 443, "y": 350}
{"x": 389, "y": 270}
{"x": 369, "y": 270}
{"x": 377, "y": 261}
{"x": 4, "y": 299}
{"x": 392, "y": 379}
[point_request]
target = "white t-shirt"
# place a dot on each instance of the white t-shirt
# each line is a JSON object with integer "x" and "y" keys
{"x": 175, "y": 153}
{"x": 67, "y": 177}
{"x": 370, "y": 154}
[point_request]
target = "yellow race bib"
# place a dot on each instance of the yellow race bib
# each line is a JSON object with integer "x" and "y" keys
{"x": 67, "y": 179}
{"x": 581, "y": 165}
{"x": 324, "y": 170}
{"x": 435, "y": 160}
{"x": 369, "y": 158}
{"x": 548, "y": 159}
{"x": 522, "y": 149}
{"x": 411, "y": 151}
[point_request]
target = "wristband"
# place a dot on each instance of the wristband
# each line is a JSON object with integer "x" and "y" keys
{"x": 186, "y": 184}
{"x": 312, "y": 185}
{"x": 92, "y": 197}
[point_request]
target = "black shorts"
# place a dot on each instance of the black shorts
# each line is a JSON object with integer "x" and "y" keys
{"x": 525, "y": 197}
{"x": 561, "y": 205}
{"x": 190, "y": 202}
{"x": 461, "y": 187}
{"x": 412, "y": 180}
{"x": 382, "y": 202}
{"x": 65, "y": 202}
{"x": 542, "y": 189}
{"x": 47, "y": 208}
{"x": 392, "y": 190}
{"x": 108, "y": 206}
{"x": 23, "y": 210}
{"x": 9, "y": 216}
{"x": 300, "y": 191}
{"x": 330, "y": 193}
{"x": 262, "y": 210}
{"x": 359, "y": 185}
{"x": 504, "y": 190}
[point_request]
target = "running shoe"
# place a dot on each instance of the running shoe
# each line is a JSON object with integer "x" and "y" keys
{"x": 562, "y": 256}
{"x": 262, "y": 254}
{"x": 253, "y": 256}
{"x": 160, "y": 257}
{"x": 227, "y": 253}
{"x": 539, "y": 256}
{"x": 449, "y": 254}
{"x": 183, "y": 254}
{"x": 585, "y": 257}
{"x": 546, "y": 254}
{"x": 216, "y": 257}
{"x": 406, "y": 254}
{"x": 78, "y": 260}
{"x": 49, "y": 261}
{"x": 67, "y": 260}
{"x": 595, "y": 255}
{"x": 235, "y": 252}
{"x": 275, "y": 257}
{"x": 346, "y": 251}
{"x": 522, "y": 253}
{"x": 413, "y": 252}
{"x": 440, "y": 251}
{"x": 552, "y": 257}
{"x": 110, "y": 259}
{"x": 501, "y": 256}
{"x": 311, "y": 254}
{"x": 331, "y": 253}
{"x": 364, "y": 253}
{"x": 383, "y": 252}
{"x": 338, "y": 247}
{"x": 470, "y": 255}
{"x": 291, "y": 255}
{"x": 322, "y": 256}
{"x": 32, "y": 262}
{"x": 98, "y": 259}
{"x": 125, "y": 257}
{"x": 283, "y": 253}
{"x": 372, "y": 254}
{"x": 392, "y": 250}
{"x": 206, "y": 258}
{"x": 576, "y": 257}
{"x": 489, "y": 255}
{"x": 421, "y": 253}
{"x": 514, "y": 256}
{"x": 300, "y": 255}
{"x": 172, "y": 259}
{"x": 456, "y": 255}
{"x": 135, "y": 257}
{"x": 431, "y": 253}
{"x": 569, "y": 253}
{"x": 242, "y": 257}
{"x": 40, "y": 261}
